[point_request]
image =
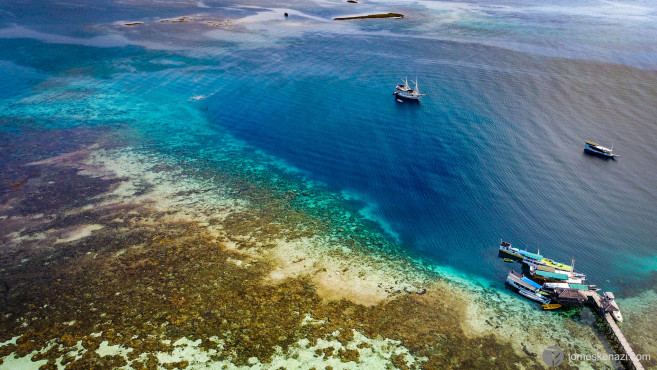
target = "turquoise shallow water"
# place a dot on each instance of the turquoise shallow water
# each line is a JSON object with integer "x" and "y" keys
{"x": 493, "y": 151}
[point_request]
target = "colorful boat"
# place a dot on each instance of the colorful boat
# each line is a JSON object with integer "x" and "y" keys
{"x": 551, "y": 306}
{"x": 526, "y": 287}
{"x": 554, "y": 277}
{"x": 531, "y": 259}
{"x": 534, "y": 296}
{"x": 597, "y": 149}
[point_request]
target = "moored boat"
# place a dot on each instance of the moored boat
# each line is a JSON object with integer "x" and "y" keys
{"x": 531, "y": 259}
{"x": 609, "y": 305}
{"x": 404, "y": 91}
{"x": 526, "y": 287}
{"x": 534, "y": 296}
{"x": 547, "y": 275}
{"x": 551, "y": 306}
{"x": 597, "y": 149}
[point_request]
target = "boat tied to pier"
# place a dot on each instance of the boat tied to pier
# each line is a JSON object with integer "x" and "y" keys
{"x": 609, "y": 305}
{"x": 526, "y": 287}
{"x": 547, "y": 281}
{"x": 405, "y": 91}
{"x": 597, "y": 149}
{"x": 531, "y": 259}
{"x": 560, "y": 290}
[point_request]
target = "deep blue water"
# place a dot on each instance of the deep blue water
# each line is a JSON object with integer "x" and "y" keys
{"x": 495, "y": 149}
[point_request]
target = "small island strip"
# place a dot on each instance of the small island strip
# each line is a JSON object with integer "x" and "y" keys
{"x": 383, "y": 15}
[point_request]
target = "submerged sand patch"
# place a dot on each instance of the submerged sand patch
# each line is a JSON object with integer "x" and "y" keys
{"x": 78, "y": 232}
{"x": 337, "y": 272}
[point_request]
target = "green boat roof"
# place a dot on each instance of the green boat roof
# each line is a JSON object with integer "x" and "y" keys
{"x": 579, "y": 286}
{"x": 560, "y": 266}
{"x": 552, "y": 275}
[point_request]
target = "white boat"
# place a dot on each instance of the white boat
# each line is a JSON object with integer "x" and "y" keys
{"x": 595, "y": 148}
{"x": 406, "y": 92}
{"x": 609, "y": 305}
{"x": 534, "y": 296}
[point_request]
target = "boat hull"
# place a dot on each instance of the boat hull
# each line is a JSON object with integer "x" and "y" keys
{"x": 534, "y": 296}
{"x": 617, "y": 316}
{"x": 405, "y": 96}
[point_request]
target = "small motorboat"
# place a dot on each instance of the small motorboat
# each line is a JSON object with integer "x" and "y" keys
{"x": 597, "y": 149}
{"x": 551, "y": 306}
{"x": 399, "y": 101}
{"x": 509, "y": 260}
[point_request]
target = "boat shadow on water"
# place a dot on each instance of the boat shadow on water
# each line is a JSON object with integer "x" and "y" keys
{"x": 596, "y": 155}
{"x": 402, "y": 103}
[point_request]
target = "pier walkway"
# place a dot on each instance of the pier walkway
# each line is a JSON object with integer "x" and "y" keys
{"x": 618, "y": 335}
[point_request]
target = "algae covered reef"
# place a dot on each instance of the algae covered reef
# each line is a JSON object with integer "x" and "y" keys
{"x": 124, "y": 257}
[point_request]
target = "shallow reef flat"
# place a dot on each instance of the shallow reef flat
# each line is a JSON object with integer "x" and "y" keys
{"x": 125, "y": 257}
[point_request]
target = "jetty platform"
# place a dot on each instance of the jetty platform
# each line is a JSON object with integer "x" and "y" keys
{"x": 616, "y": 333}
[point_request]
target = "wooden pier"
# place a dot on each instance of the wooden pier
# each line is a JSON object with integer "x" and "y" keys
{"x": 633, "y": 361}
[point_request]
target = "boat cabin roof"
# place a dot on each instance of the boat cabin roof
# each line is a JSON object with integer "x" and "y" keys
{"x": 531, "y": 255}
{"x": 520, "y": 280}
{"x": 552, "y": 275}
{"x": 558, "y": 265}
{"x": 531, "y": 282}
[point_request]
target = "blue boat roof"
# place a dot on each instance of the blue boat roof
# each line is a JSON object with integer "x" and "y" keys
{"x": 531, "y": 255}
{"x": 531, "y": 282}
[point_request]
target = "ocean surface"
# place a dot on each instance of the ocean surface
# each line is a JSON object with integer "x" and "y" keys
{"x": 494, "y": 150}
